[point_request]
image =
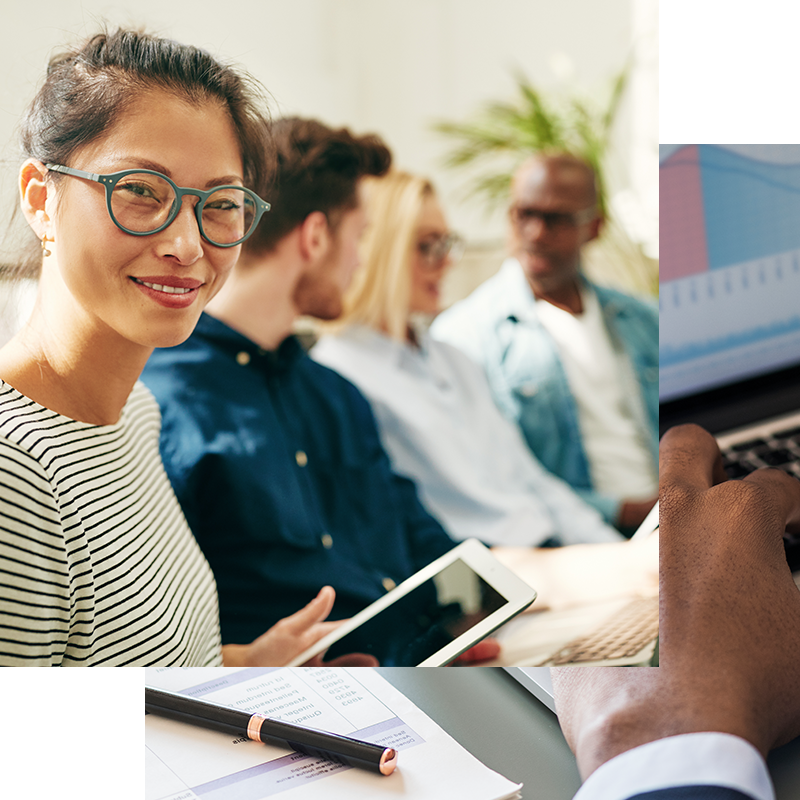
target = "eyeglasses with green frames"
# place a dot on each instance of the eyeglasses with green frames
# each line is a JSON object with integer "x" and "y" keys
{"x": 143, "y": 201}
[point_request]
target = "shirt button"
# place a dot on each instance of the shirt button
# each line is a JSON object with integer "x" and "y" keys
{"x": 301, "y": 458}
{"x": 327, "y": 541}
{"x": 528, "y": 389}
{"x": 243, "y": 358}
{"x": 388, "y": 584}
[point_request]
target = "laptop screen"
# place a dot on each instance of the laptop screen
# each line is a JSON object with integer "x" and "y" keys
{"x": 729, "y": 264}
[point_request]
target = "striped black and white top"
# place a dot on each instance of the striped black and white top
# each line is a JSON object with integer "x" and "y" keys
{"x": 97, "y": 563}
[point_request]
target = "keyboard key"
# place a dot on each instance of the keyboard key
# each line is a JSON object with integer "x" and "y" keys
{"x": 775, "y": 458}
{"x": 738, "y": 469}
{"x": 791, "y": 433}
{"x": 750, "y": 445}
{"x": 623, "y": 635}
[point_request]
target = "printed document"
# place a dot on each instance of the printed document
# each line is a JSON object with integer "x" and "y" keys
{"x": 184, "y": 762}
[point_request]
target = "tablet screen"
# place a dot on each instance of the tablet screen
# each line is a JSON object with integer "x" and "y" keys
{"x": 426, "y": 619}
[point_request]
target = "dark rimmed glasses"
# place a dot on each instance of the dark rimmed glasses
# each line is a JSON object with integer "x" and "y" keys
{"x": 435, "y": 249}
{"x": 521, "y": 216}
{"x": 142, "y": 202}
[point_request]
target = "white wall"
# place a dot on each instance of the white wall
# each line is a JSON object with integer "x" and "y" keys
{"x": 389, "y": 66}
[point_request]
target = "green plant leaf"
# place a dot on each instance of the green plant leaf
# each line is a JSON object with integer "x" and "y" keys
{"x": 532, "y": 123}
{"x": 490, "y": 146}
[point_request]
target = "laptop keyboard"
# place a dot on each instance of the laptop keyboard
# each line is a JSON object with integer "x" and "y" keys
{"x": 780, "y": 449}
{"x": 623, "y": 635}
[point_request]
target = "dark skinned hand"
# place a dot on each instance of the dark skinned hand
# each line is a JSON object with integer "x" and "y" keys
{"x": 729, "y": 618}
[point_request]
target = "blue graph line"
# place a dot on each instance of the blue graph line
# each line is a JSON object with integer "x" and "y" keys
{"x": 672, "y": 356}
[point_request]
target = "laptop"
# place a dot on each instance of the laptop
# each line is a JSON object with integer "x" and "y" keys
{"x": 729, "y": 318}
{"x": 621, "y": 630}
{"x": 537, "y": 681}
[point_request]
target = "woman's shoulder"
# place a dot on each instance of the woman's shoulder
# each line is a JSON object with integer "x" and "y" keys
{"x": 20, "y": 416}
{"x": 353, "y": 351}
{"x": 38, "y": 430}
{"x": 447, "y": 356}
{"x": 26, "y": 432}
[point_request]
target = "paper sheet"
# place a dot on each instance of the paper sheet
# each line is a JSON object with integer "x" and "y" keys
{"x": 187, "y": 763}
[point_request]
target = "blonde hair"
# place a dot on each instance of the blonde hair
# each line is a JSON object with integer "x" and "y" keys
{"x": 380, "y": 293}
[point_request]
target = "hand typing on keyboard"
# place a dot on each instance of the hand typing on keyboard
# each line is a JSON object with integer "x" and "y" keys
{"x": 730, "y": 617}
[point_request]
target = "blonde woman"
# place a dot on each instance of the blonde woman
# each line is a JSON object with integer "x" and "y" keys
{"x": 433, "y": 404}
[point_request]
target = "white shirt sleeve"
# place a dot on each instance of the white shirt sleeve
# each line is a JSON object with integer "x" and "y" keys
{"x": 576, "y": 521}
{"x": 691, "y": 759}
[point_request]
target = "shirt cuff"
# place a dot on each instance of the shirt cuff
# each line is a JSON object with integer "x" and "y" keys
{"x": 690, "y": 759}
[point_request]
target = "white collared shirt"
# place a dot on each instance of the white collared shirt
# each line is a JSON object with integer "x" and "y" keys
{"x": 691, "y": 759}
{"x": 440, "y": 426}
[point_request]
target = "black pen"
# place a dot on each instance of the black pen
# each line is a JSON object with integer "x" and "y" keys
{"x": 321, "y": 744}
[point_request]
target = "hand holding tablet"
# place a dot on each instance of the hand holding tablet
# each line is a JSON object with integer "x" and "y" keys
{"x": 435, "y": 615}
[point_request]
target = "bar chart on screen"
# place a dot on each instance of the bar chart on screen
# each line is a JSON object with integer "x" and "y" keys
{"x": 729, "y": 260}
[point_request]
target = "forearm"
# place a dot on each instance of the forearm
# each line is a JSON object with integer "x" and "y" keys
{"x": 235, "y": 655}
{"x": 622, "y": 722}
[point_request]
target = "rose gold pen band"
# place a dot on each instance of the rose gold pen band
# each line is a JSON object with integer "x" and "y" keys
{"x": 254, "y": 727}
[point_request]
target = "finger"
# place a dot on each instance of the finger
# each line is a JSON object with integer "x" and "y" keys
{"x": 354, "y": 660}
{"x": 319, "y": 629}
{"x": 316, "y": 611}
{"x": 486, "y": 650}
{"x": 689, "y": 456}
{"x": 783, "y": 495}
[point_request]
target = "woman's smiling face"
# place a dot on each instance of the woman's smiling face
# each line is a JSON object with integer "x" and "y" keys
{"x": 149, "y": 290}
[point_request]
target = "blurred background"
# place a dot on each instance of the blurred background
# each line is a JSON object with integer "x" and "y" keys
{"x": 401, "y": 67}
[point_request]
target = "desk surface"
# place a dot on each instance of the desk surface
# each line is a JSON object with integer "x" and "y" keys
{"x": 499, "y": 722}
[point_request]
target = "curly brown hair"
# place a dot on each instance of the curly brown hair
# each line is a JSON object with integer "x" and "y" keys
{"x": 318, "y": 169}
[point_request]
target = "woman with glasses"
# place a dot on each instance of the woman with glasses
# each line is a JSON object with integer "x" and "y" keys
{"x": 139, "y": 152}
{"x": 433, "y": 405}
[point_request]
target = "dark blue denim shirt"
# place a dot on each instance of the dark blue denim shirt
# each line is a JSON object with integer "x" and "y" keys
{"x": 277, "y": 463}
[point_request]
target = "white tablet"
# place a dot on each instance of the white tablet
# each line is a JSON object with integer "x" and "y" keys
{"x": 435, "y": 615}
{"x": 650, "y": 524}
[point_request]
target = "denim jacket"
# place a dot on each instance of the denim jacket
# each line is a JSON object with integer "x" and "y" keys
{"x": 497, "y": 325}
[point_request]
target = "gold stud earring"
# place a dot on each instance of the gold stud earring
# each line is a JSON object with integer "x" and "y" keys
{"x": 45, "y": 240}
